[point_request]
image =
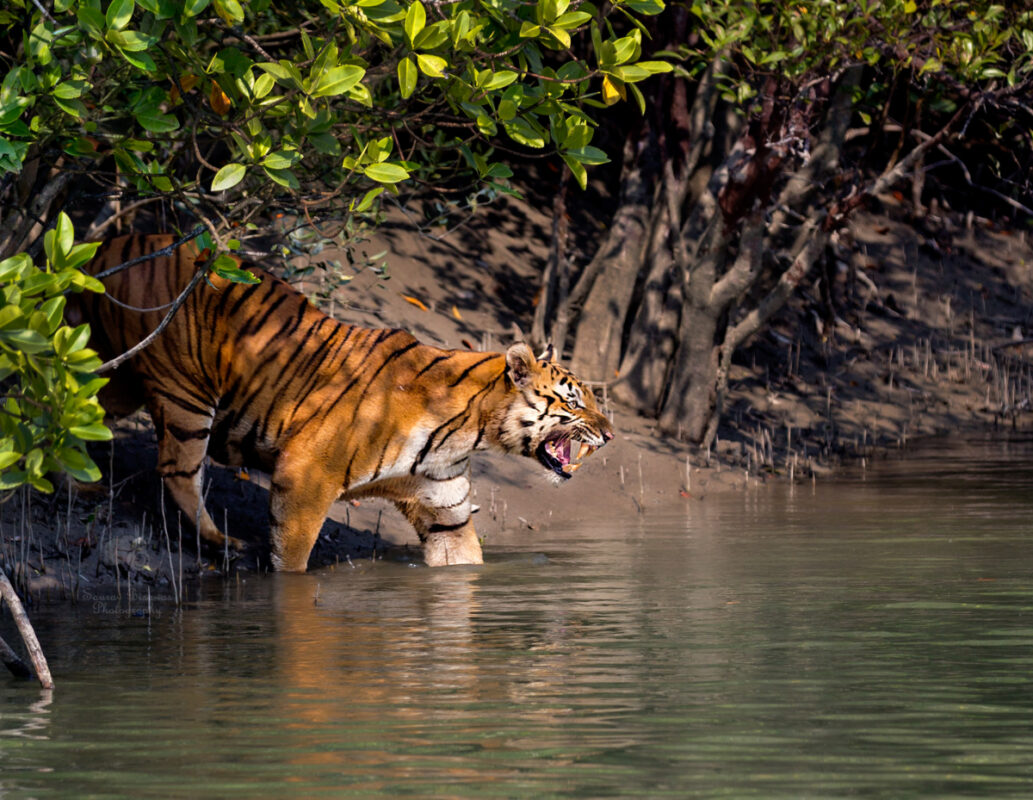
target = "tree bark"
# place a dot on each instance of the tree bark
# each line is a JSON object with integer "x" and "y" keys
{"x": 690, "y": 400}
{"x": 552, "y": 303}
{"x": 615, "y": 269}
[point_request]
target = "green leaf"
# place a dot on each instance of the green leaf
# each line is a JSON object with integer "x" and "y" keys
{"x": 655, "y": 67}
{"x": 522, "y": 131}
{"x": 281, "y": 159}
{"x": 12, "y": 480}
{"x": 119, "y": 13}
{"x": 284, "y": 177}
{"x": 226, "y": 267}
{"x": 407, "y": 74}
{"x": 338, "y": 80}
{"x": 560, "y": 35}
{"x": 500, "y": 79}
{"x": 572, "y": 19}
{"x": 16, "y": 266}
{"x": 80, "y": 254}
{"x": 368, "y": 198}
{"x": 71, "y": 340}
{"x": 432, "y": 66}
{"x": 65, "y": 233}
{"x": 415, "y": 20}
{"x": 69, "y": 90}
{"x": 229, "y": 10}
{"x": 131, "y": 41}
{"x": 228, "y": 176}
{"x": 263, "y": 85}
{"x": 191, "y": 8}
{"x": 530, "y": 31}
{"x": 9, "y": 458}
{"x": 77, "y": 464}
{"x": 386, "y": 172}
{"x": 94, "y": 432}
{"x": 588, "y": 155}
{"x": 578, "y": 170}
{"x": 27, "y": 341}
{"x": 53, "y": 309}
{"x": 648, "y": 8}
{"x": 630, "y": 73}
{"x": 153, "y": 120}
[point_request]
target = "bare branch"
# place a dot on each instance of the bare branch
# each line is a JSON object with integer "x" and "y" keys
{"x": 14, "y": 603}
{"x": 165, "y": 251}
{"x": 182, "y": 298}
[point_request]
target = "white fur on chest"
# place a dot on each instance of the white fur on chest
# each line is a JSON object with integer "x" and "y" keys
{"x": 445, "y": 461}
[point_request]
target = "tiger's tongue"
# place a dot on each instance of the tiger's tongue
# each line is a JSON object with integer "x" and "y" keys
{"x": 561, "y": 451}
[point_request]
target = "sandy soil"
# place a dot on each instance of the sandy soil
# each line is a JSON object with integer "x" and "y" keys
{"x": 928, "y": 337}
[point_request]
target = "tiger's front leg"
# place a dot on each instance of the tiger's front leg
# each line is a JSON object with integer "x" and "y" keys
{"x": 448, "y": 547}
{"x": 441, "y": 517}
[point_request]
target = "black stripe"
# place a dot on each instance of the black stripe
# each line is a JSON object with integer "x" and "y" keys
{"x": 186, "y": 405}
{"x": 383, "y": 336}
{"x": 248, "y": 445}
{"x": 299, "y": 365}
{"x": 399, "y": 352}
{"x": 464, "y": 414}
{"x": 348, "y": 470}
{"x": 380, "y": 461}
{"x": 258, "y": 320}
{"x": 244, "y": 294}
{"x": 184, "y": 435}
{"x": 433, "y": 361}
{"x": 243, "y": 409}
{"x": 437, "y": 528}
{"x": 466, "y": 372}
{"x": 180, "y": 473}
{"x": 458, "y": 502}
{"x": 222, "y": 430}
{"x": 127, "y": 246}
{"x": 320, "y": 357}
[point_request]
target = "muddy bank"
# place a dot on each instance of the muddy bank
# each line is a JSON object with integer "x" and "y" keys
{"x": 914, "y": 330}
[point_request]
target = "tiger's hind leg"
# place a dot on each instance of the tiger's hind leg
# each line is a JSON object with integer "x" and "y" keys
{"x": 182, "y": 443}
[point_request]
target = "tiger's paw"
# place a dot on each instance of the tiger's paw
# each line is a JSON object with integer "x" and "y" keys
{"x": 452, "y": 548}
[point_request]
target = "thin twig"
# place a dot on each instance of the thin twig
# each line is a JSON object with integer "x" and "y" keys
{"x": 132, "y": 351}
{"x": 165, "y": 251}
{"x": 44, "y": 12}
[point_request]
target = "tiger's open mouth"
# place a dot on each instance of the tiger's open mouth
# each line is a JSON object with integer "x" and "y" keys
{"x": 563, "y": 455}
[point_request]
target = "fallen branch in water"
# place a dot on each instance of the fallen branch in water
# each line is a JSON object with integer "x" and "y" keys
{"x": 39, "y": 661}
{"x": 13, "y": 662}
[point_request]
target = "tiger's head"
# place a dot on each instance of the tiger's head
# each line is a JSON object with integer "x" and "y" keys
{"x": 551, "y": 416}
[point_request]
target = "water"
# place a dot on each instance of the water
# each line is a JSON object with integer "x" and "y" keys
{"x": 869, "y": 637}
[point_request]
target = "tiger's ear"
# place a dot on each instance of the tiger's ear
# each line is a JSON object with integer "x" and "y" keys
{"x": 521, "y": 363}
{"x": 548, "y": 354}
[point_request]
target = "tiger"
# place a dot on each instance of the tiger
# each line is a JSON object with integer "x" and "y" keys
{"x": 256, "y": 376}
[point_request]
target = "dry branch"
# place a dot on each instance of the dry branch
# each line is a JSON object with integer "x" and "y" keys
{"x": 39, "y": 661}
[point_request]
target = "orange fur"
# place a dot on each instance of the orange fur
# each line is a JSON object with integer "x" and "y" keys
{"x": 257, "y": 376}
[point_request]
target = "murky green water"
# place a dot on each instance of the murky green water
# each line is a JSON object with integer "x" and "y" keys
{"x": 869, "y": 638}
